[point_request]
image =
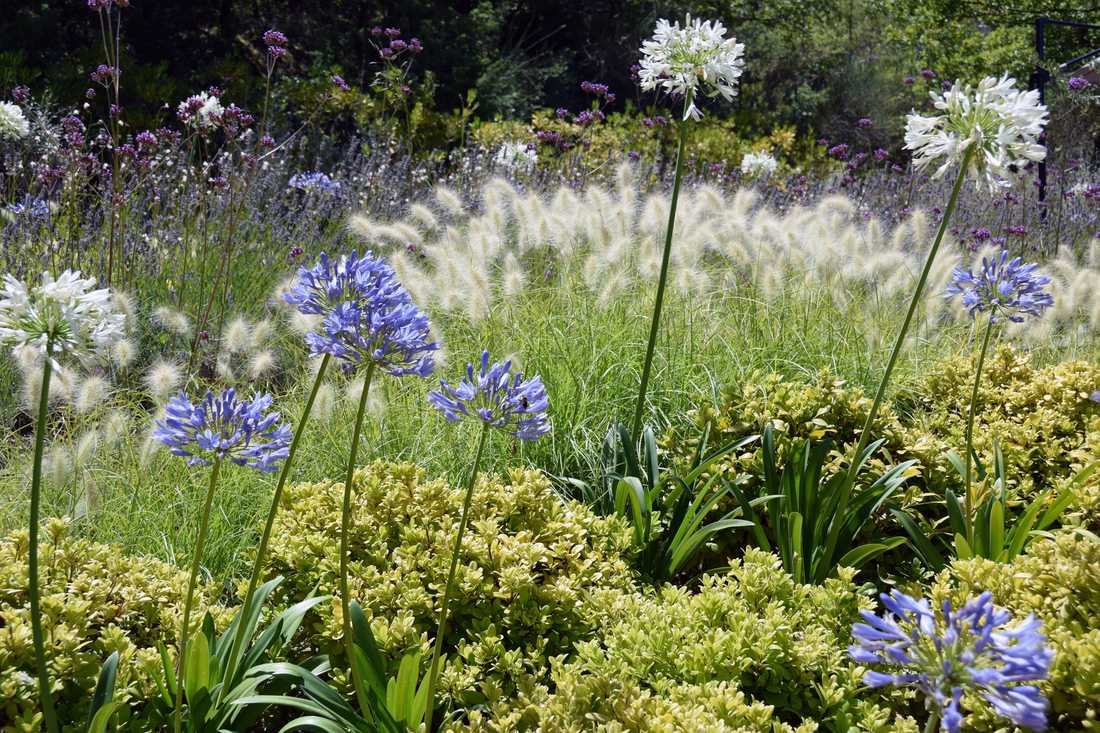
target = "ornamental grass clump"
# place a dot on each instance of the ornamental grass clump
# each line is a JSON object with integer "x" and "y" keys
{"x": 971, "y": 651}
{"x": 368, "y": 320}
{"x": 499, "y": 399}
{"x": 62, "y": 318}
{"x": 215, "y": 430}
{"x": 1003, "y": 289}
{"x": 685, "y": 62}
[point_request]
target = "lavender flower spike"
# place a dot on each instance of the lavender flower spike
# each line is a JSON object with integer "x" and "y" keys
{"x": 497, "y": 398}
{"x": 970, "y": 650}
{"x": 1005, "y": 288}
{"x": 224, "y": 427}
{"x": 367, "y": 316}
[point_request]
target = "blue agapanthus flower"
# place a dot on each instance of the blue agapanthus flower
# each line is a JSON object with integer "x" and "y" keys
{"x": 971, "y": 650}
{"x": 497, "y": 398}
{"x": 314, "y": 181}
{"x": 367, "y": 315}
{"x": 31, "y": 207}
{"x": 1003, "y": 288}
{"x": 225, "y": 428}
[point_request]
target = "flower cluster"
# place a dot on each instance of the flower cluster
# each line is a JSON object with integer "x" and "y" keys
{"x": 1003, "y": 288}
{"x": 758, "y": 165}
{"x": 60, "y": 316}
{"x": 367, "y": 315}
{"x": 13, "y": 124}
{"x": 276, "y": 43}
{"x": 971, "y": 650}
{"x": 997, "y": 123}
{"x": 225, "y": 428}
{"x": 202, "y": 111}
{"x": 395, "y": 44}
{"x": 695, "y": 58}
{"x": 314, "y": 181}
{"x": 498, "y": 398}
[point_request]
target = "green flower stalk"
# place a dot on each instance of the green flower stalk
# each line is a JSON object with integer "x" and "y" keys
{"x": 686, "y": 62}
{"x": 59, "y": 318}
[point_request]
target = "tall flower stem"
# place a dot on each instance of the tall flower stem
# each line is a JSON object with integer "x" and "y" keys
{"x": 196, "y": 559}
{"x": 880, "y": 393}
{"x": 32, "y": 557}
{"x": 971, "y": 502}
{"x": 933, "y": 722}
{"x": 265, "y": 537}
{"x": 345, "y": 528}
{"x": 655, "y": 322}
{"x": 441, "y": 626}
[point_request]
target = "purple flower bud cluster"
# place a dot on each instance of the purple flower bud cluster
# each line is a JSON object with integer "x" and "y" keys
{"x": 396, "y": 45}
{"x": 21, "y": 93}
{"x": 881, "y": 155}
{"x": 276, "y": 43}
{"x": 865, "y": 123}
{"x": 225, "y": 428}
{"x": 972, "y": 650}
{"x": 587, "y": 117}
{"x": 651, "y": 122}
{"x": 367, "y": 316}
{"x": 497, "y": 398}
{"x": 840, "y": 152}
{"x": 598, "y": 90}
{"x": 1004, "y": 288}
{"x": 103, "y": 74}
{"x": 339, "y": 83}
{"x": 1078, "y": 83}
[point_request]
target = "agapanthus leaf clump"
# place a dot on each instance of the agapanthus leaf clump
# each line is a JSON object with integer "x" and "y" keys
{"x": 367, "y": 315}
{"x": 223, "y": 427}
{"x": 1003, "y": 288}
{"x": 66, "y": 315}
{"x": 969, "y": 651}
{"x": 693, "y": 59}
{"x": 498, "y": 398}
{"x": 997, "y": 123}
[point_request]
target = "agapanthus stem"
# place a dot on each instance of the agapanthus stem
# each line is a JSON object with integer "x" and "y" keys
{"x": 933, "y": 722}
{"x": 655, "y": 322}
{"x": 441, "y": 626}
{"x": 265, "y": 536}
{"x": 345, "y": 529}
{"x": 971, "y": 501}
{"x": 32, "y": 557}
{"x": 839, "y": 515}
{"x": 196, "y": 559}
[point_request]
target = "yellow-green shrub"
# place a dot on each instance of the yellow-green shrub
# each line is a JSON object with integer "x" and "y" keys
{"x": 528, "y": 567}
{"x": 95, "y": 601}
{"x": 1059, "y": 581}
{"x": 749, "y": 651}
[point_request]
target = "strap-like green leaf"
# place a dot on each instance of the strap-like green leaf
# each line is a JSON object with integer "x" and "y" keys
{"x": 104, "y": 689}
{"x": 924, "y": 547}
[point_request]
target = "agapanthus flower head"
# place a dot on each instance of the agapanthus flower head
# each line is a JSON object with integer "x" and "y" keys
{"x": 1002, "y": 287}
{"x": 313, "y": 181}
{"x": 203, "y": 111}
{"x": 997, "y": 123}
{"x": 367, "y": 315}
{"x": 66, "y": 315}
{"x": 223, "y": 427}
{"x": 697, "y": 58}
{"x": 758, "y": 165}
{"x": 498, "y": 398}
{"x": 13, "y": 123}
{"x": 970, "y": 650}
{"x": 31, "y": 207}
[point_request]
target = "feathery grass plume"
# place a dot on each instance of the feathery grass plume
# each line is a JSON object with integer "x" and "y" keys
{"x": 324, "y": 403}
{"x": 512, "y": 279}
{"x": 424, "y": 216}
{"x": 262, "y": 330}
{"x": 85, "y": 449}
{"x": 125, "y": 304}
{"x": 58, "y": 466}
{"x": 163, "y": 378}
{"x": 236, "y": 337}
{"x": 261, "y": 364}
{"x": 90, "y": 393}
{"x": 123, "y": 352}
{"x": 362, "y": 226}
{"x": 116, "y": 426}
{"x": 172, "y": 321}
{"x": 304, "y": 323}
{"x": 278, "y": 294}
{"x": 223, "y": 367}
{"x": 449, "y": 200}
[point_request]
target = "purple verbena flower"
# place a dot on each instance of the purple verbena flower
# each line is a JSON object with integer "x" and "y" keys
{"x": 339, "y": 83}
{"x": 865, "y": 122}
{"x": 498, "y": 398}
{"x": 367, "y": 315}
{"x": 1005, "y": 288}
{"x": 1077, "y": 83}
{"x": 225, "y": 428}
{"x": 274, "y": 38}
{"x": 971, "y": 650}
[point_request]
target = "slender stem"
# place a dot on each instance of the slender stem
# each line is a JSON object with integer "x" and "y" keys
{"x": 441, "y": 627}
{"x": 971, "y": 502}
{"x": 864, "y": 436}
{"x": 345, "y": 527}
{"x": 261, "y": 551}
{"x": 196, "y": 559}
{"x": 653, "y": 326}
{"x": 32, "y": 558}
{"x": 933, "y": 722}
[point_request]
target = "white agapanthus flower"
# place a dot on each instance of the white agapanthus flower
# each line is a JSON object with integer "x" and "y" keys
{"x": 513, "y": 156}
{"x": 66, "y": 315}
{"x": 697, "y": 58}
{"x": 201, "y": 110}
{"x": 758, "y": 165}
{"x": 13, "y": 124}
{"x": 999, "y": 122}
